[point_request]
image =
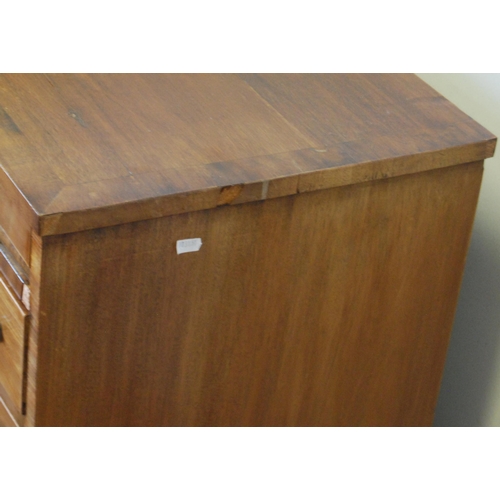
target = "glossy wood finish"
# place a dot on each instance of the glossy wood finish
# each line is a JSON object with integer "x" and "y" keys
{"x": 13, "y": 274}
{"x": 13, "y": 326}
{"x": 90, "y": 151}
{"x": 325, "y": 308}
{"x": 334, "y": 210}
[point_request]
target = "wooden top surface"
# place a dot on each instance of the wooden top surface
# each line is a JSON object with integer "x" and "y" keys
{"x": 91, "y": 151}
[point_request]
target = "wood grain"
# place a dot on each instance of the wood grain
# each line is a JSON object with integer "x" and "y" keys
{"x": 13, "y": 325}
{"x": 13, "y": 274}
{"x": 331, "y": 307}
{"x": 335, "y": 109}
{"x": 89, "y": 151}
{"x": 335, "y": 213}
{"x": 6, "y": 419}
{"x": 17, "y": 219}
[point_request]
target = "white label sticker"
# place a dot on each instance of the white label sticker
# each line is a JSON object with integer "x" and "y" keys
{"x": 190, "y": 245}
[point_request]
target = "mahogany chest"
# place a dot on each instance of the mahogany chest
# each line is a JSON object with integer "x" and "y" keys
{"x": 230, "y": 250}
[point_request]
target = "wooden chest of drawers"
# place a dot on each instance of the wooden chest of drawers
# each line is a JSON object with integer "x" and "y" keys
{"x": 230, "y": 249}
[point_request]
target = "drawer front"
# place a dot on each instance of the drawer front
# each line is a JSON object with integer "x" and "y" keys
{"x": 13, "y": 274}
{"x": 13, "y": 319}
{"x": 17, "y": 218}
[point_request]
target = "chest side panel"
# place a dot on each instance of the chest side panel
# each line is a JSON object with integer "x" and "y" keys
{"x": 324, "y": 308}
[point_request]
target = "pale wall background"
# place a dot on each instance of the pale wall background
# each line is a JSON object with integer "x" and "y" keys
{"x": 470, "y": 392}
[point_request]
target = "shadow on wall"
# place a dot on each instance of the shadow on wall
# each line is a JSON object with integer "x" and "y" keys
{"x": 470, "y": 391}
{"x": 467, "y": 391}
